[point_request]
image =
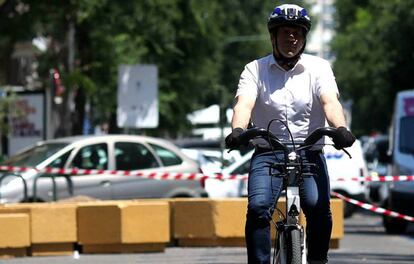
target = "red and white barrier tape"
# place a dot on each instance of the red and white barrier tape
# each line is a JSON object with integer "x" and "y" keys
{"x": 186, "y": 176}
{"x": 378, "y": 178}
{"x": 201, "y": 176}
{"x": 374, "y": 208}
{"x": 137, "y": 173}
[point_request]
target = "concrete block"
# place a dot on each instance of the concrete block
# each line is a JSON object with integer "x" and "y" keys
{"x": 220, "y": 222}
{"x": 193, "y": 218}
{"x": 15, "y": 234}
{"x": 52, "y": 249}
{"x": 14, "y": 230}
{"x": 209, "y": 222}
{"x": 53, "y": 223}
{"x": 99, "y": 224}
{"x": 124, "y": 227}
{"x": 337, "y": 208}
{"x": 53, "y": 227}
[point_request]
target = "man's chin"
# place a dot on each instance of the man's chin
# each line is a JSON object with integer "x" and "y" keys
{"x": 289, "y": 55}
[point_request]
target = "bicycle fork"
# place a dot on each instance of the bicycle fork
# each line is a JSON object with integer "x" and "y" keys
{"x": 291, "y": 236}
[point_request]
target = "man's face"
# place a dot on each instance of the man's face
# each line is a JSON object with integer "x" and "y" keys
{"x": 289, "y": 40}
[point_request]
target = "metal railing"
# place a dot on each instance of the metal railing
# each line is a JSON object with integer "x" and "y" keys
{"x": 13, "y": 174}
{"x": 69, "y": 184}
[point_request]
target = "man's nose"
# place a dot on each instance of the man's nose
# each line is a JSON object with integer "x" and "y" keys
{"x": 292, "y": 36}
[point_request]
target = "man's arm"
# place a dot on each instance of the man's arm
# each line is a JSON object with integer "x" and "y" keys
{"x": 333, "y": 109}
{"x": 242, "y": 111}
{"x": 336, "y": 118}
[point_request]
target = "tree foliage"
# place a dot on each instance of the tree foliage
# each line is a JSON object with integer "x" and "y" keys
{"x": 199, "y": 46}
{"x": 374, "y": 57}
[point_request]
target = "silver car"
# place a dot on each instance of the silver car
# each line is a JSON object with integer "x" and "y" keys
{"x": 108, "y": 152}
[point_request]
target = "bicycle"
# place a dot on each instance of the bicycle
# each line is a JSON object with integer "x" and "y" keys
{"x": 290, "y": 244}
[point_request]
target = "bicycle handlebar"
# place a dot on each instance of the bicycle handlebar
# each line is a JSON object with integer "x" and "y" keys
{"x": 317, "y": 134}
{"x": 255, "y": 132}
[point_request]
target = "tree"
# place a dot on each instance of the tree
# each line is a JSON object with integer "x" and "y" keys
{"x": 198, "y": 46}
{"x": 374, "y": 51}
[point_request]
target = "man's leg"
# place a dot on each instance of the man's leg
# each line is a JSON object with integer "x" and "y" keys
{"x": 263, "y": 191}
{"x": 315, "y": 198}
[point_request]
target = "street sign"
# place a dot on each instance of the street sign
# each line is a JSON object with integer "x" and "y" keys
{"x": 137, "y": 96}
{"x": 28, "y": 127}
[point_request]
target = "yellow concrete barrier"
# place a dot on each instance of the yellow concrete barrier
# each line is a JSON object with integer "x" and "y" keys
{"x": 337, "y": 219}
{"x": 337, "y": 208}
{"x": 209, "y": 222}
{"x": 135, "y": 226}
{"x": 15, "y": 234}
{"x": 131, "y": 226}
{"x": 53, "y": 227}
{"x": 220, "y": 222}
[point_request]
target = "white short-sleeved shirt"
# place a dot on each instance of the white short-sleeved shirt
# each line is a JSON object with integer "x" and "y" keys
{"x": 292, "y": 96}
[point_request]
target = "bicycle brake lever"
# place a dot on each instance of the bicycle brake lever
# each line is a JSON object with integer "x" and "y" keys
{"x": 349, "y": 155}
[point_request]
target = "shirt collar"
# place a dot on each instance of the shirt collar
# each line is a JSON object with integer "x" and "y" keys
{"x": 272, "y": 61}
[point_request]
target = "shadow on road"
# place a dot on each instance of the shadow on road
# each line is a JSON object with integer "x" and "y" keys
{"x": 377, "y": 258}
{"x": 366, "y": 241}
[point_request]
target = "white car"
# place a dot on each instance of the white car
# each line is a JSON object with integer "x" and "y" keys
{"x": 340, "y": 166}
{"x": 211, "y": 161}
{"x": 108, "y": 152}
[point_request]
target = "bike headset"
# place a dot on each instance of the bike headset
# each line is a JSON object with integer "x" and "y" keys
{"x": 293, "y": 15}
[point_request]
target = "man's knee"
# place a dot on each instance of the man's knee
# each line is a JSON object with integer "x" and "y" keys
{"x": 260, "y": 209}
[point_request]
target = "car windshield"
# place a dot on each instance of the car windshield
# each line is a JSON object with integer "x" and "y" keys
{"x": 34, "y": 155}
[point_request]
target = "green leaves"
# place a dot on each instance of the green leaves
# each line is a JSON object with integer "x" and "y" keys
{"x": 189, "y": 41}
{"x": 374, "y": 51}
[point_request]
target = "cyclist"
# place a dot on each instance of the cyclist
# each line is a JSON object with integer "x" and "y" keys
{"x": 301, "y": 90}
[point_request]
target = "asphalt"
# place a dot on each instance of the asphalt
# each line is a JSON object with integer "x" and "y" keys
{"x": 365, "y": 242}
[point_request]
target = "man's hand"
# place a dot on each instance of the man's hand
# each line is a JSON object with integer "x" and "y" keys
{"x": 232, "y": 140}
{"x": 344, "y": 139}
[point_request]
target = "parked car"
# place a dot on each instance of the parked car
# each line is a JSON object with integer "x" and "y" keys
{"x": 211, "y": 161}
{"x": 107, "y": 152}
{"x": 376, "y": 156}
{"x": 339, "y": 166}
{"x": 399, "y": 196}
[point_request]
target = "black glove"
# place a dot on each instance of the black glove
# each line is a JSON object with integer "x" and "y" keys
{"x": 344, "y": 138}
{"x": 233, "y": 139}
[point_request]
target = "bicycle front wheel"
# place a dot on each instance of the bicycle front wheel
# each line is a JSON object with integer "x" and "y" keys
{"x": 294, "y": 247}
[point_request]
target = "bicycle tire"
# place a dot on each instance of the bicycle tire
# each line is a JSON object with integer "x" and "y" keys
{"x": 294, "y": 249}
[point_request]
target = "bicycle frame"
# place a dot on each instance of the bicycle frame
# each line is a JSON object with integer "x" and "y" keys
{"x": 292, "y": 181}
{"x": 291, "y": 241}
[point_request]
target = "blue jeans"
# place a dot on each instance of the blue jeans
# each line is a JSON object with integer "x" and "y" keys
{"x": 264, "y": 191}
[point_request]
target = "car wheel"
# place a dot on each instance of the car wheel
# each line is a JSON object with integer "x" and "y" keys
{"x": 394, "y": 225}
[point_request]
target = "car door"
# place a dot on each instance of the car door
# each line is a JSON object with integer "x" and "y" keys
{"x": 92, "y": 157}
{"x": 131, "y": 156}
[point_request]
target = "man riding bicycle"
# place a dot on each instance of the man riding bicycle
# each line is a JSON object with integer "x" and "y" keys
{"x": 300, "y": 90}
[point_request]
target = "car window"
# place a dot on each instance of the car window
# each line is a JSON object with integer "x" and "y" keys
{"x": 133, "y": 156}
{"x": 167, "y": 157}
{"x": 35, "y": 155}
{"x": 60, "y": 162}
{"x": 92, "y": 157}
{"x": 406, "y": 138}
